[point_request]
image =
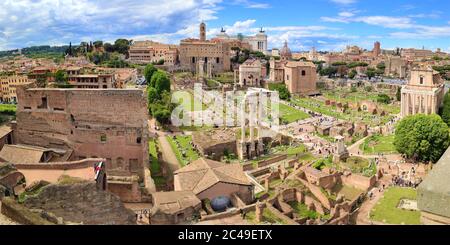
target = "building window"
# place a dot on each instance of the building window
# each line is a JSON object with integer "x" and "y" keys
{"x": 138, "y": 140}
{"x": 103, "y": 138}
{"x": 119, "y": 163}
{"x": 134, "y": 165}
{"x": 287, "y": 77}
{"x": 43, "y": 103}
{"x": 421, "y": 79}
{"x": 303, "y": 73}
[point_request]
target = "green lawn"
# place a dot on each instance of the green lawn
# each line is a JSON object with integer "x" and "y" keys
{"x": 352, "y": 115}
{"x": 386, "y": 210}
{"x": 185, "y": 146}
{"x": 359, "y": 165}
{"x": 155, "y": 168}
{"x": 7, "y": 109}
{"x": 289, "y": 114}
{"x": 7, "y": 112}
{"x": 193, "y": 102}
{"x": 296, "y": 150}
{"x": 378, "y": 144}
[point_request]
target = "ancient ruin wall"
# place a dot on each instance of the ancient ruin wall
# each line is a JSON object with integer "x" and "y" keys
{"x": 105, "y": 123}
{"x": 82, "y": 203}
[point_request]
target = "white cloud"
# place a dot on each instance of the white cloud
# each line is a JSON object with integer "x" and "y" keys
{"x": 384, "y": 21}
{"x": 346, "y": 14}
{"x": 344, "y": 2}
{"x": 409, "y": 28}
{"x": 251, "y": 4}
{"x": 33, "y": 22}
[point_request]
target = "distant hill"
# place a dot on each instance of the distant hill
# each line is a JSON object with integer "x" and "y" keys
{"x": 37, "y": 51}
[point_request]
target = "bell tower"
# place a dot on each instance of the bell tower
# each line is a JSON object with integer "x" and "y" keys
{"x": 203, "y": 32}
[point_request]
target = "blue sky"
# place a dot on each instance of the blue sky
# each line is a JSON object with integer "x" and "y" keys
{"x": 324, "y": 24}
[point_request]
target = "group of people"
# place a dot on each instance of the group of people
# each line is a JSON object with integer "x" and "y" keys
{"x": 404, "y": 182}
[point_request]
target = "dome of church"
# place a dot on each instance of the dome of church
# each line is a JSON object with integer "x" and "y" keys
{"x": 286, "y": 51}
{"x": 220, "y": 204}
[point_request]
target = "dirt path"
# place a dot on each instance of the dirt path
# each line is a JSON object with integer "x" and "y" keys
{"x": 168, "y": 155}
{"x": 362, "y": 217}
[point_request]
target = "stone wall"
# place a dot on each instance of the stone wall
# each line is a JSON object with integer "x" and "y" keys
{"x": 81, "y": 203}
{"x": 271, "y": 160}
{"x": 359, "y": 181}
{"x": 20, "y": 214}
{"x": 106, "y": 123}
{"x": 317, "y": 192}
{"x": 85, "y": 163}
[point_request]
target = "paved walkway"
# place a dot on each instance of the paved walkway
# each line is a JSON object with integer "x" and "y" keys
{"x": 362, "y": 217}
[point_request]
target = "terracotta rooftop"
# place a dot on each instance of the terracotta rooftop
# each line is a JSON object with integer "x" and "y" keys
{"x": 22, "y": 154}
{"x": 204, "y": 173}
{"x": 5, "y": 130}
{"x": 174, "y": 201}
{"x": 300, "y": 63}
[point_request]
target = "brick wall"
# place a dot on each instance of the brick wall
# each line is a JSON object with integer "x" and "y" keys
{"x": 110, "y": 124}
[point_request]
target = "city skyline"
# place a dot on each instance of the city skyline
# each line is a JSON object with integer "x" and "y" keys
{"x": 328, "y": 25}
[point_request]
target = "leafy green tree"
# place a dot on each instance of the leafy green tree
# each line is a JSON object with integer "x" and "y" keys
{"x": 398, "y": 95}
{"x": 283, "y": 92}
{"x": 153, "y": 95}
{"x": 160, "y": 81}
{"x": 108, "y": 47}
{"x": 422, "y": 137}
{"x": 383, "y": 98}
{"x": 329, "y": 71}
{"x": 60, "y": 76}
{"x": 339, "y": 63}
{"x": 446, "y": 109}
{"x": 352, "y": 74}
{"x": 381, "y": 66}
{"x": 122, "y": 46}
{"x": 370, "y": 73}
{"x": 98, "y": 44}
{"x": 148, "y": 73}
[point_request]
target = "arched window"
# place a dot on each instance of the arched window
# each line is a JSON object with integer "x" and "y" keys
{"x": 119, "y": 163}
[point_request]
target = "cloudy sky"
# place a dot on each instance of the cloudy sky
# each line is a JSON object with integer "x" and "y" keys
{"x": 324, "y": 24}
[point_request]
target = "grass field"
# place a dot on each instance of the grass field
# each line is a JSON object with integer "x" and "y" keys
{"x": 155, "y": 168}
{"x": 378, "y": 144}
{"x": 289, "y": 114}
{"x": 7, "y": 112}
{"x": 386, "y": 209}
{"x": 185, "y": 146}
{"x": 6, "y": 108}
{"x": 352, "y": 116}
{"x": 359, "y": 165}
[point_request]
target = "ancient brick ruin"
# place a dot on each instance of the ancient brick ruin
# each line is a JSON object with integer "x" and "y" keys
{"x": 88, "y": 123}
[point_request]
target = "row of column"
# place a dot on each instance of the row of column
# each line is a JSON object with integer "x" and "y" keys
{"x": 417, "y": 104}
